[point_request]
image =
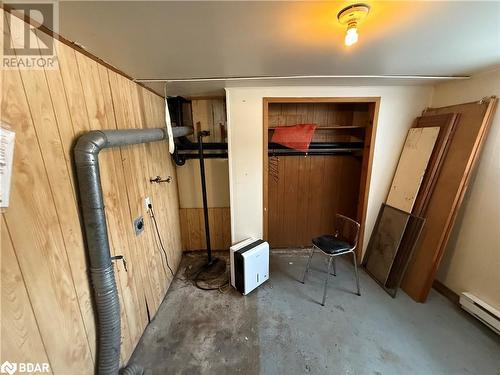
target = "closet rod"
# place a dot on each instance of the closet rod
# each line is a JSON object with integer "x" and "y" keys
{"x": 271, "y": 145}
{"x": 188, "y": 156}
{"x": 206, "y": 146}
{"x": 321, "y": 145}
{"x": 327, "y": 152}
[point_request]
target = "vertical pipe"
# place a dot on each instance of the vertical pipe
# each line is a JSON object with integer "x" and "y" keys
{"x": 204, "y": 193}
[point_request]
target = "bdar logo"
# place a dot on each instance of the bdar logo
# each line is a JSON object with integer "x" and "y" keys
{"x": 8, "y": 368}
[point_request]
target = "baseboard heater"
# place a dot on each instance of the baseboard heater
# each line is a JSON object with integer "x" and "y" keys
{"x": 481, "y": 310}
{"x": 249, "y": 264}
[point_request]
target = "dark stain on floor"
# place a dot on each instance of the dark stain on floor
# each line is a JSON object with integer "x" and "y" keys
{"x": 201, "y": 332}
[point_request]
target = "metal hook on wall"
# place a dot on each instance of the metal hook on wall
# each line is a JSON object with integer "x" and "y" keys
{"x": 158, "y": 179}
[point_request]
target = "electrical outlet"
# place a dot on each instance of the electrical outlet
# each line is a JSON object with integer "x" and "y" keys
{"x": 139, "y": 225}
{"x": 147, "y": 202}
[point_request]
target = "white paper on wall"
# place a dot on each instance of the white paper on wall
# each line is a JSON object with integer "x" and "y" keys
{"x": 6, "y": 157}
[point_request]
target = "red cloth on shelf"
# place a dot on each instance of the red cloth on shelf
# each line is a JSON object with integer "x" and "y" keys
{"x": 297, "y": 137}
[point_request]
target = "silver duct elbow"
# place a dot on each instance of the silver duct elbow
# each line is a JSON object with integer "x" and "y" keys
{"x": 86, "y": 157}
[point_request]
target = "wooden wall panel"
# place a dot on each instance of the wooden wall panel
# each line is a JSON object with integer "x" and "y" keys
{"x": 306, "y": 193}
{"x": 209, "y": 114}
{"x": 21, "y": 338}
{"x": 193, "y": 228}
{"x": 353, "y": 117}
{"x": 50, "y": 318}
{"x": 164, "y": 196}
{"x": 135, "y": 168}
{"x": 100, "y": 116}
{"x": 37, "y": 239}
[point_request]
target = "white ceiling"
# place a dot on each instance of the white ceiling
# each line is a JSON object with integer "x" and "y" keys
{"x": 164, "y": 39}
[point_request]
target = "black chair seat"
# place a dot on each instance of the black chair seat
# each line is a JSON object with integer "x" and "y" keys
{"x": 330, "y": 244}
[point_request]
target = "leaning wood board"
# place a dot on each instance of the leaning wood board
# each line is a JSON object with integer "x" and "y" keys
{"x": 446, "y": 123}
{"x": 451, "y": 185}
{"x": 384, "y": 242}
{"x": 411, "y": 167}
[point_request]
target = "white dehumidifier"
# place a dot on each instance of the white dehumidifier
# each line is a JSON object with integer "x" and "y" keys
{"x": 249, "y": 264}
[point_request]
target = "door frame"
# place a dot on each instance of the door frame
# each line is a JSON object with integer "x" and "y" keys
{"x": 366, "y": 168}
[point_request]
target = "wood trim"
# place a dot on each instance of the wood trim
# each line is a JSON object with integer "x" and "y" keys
{"x": 367, "y": 162}
{"x": 366, "y": 174}
{"x": 265, "y": 186}
{"x": 343, "y": 99}
{"x": 447, "y": 292}
{"x": 73, "y": 45}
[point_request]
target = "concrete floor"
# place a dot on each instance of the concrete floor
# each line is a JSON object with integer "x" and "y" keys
{"x": 281, "y": 328}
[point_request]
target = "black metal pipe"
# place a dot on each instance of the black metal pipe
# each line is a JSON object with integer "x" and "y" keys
{"x": 187, "y": 156}
{"x": 206, "y": 146}
{"x": 204, "y": 193}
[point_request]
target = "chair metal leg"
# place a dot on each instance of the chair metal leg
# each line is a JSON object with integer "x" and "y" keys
{"x": 334, "y": 266}
{"x": 356, "y": 271}
{"x": 307, "y": 267}
{"x": 326, "y": 281}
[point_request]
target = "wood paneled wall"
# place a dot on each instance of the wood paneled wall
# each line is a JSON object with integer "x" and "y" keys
{"x": 207, "y": 114}
{"x": 305, "y": 193}
{"x": 46, "y": 298}
{"x": 349, "y": 120}
{"x": 193, "y": 228}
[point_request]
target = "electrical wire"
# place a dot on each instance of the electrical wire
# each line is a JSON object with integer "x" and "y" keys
{"x": 153, "y": 217}
{"x": 196, "y": 279}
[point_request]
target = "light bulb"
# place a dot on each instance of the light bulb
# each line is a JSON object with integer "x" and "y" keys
{"x": 351, "y": 36}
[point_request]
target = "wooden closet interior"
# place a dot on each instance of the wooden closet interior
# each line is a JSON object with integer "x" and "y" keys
{"x": 304, "y": 190}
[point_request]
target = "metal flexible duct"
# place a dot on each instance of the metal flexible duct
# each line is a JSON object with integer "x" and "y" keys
{"x": 86, "y": 154}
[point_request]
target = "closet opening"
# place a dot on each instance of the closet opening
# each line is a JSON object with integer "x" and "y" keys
{"x": 303, "y": 190}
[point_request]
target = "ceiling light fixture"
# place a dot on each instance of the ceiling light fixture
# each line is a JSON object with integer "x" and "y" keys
{"x": 350, "y": 16}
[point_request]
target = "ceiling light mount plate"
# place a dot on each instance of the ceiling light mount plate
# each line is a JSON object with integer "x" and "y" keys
{"x": 353, "y": 13}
